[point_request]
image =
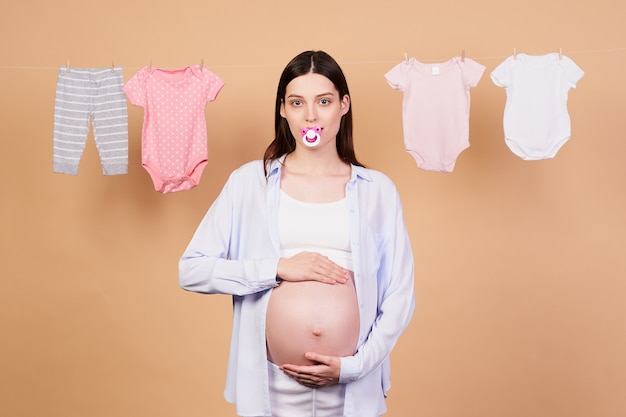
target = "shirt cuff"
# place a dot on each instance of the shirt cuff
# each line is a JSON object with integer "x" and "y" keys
{"x": 350, "y": 369}
{"x": 267, "y": 273}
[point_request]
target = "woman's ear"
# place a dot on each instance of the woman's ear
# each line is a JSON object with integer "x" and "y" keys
{"x": 345, "y": 104}
{"x": 282, "y": 109}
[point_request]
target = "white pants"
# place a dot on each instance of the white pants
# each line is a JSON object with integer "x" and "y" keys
{"x": 291, "y": 399}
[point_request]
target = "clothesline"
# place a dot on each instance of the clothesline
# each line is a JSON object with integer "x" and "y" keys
{"x": 426, "y": 60}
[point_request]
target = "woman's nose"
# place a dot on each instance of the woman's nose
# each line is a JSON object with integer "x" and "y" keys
{"x": 311, "y": 115}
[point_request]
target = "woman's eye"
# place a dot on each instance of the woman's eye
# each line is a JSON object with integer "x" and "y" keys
{"x": 324, "y": 101}
{"x": 296, "y": 103}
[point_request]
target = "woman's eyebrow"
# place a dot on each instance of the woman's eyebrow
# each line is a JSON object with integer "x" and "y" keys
{"x": 319, "y": 95}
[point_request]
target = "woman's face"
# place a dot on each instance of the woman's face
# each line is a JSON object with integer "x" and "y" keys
{"x": 311, "y": 100}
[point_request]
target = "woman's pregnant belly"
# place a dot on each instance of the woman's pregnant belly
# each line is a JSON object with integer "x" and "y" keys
{"x": 311, "y": 316}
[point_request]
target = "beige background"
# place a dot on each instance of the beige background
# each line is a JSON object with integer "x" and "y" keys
{"x": 520, "y": 264}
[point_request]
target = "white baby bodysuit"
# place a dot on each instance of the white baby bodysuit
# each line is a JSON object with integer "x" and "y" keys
{"x": 536, "y": 120}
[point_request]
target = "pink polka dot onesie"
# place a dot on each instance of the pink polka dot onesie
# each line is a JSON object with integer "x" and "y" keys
{"x": 174, "y": 148}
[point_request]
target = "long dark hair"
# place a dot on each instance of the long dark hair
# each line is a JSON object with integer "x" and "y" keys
{"x": 318, "y": 62}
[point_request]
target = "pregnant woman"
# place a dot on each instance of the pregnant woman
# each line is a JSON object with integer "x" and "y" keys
{"x": 313, "y": 248}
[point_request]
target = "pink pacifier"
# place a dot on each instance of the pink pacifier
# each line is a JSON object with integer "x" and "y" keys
{"x": 311, "y": 135}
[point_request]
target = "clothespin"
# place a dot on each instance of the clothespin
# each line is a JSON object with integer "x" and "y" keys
{"x": 67, "y": 66}
{"x": 406, "y": 58}
{"x": 463, "y": 55}
{"x": 201, "y": 64}
{"x": 560, "y": 53}
{"x": 514, "y": 53}
{"x": 112, "y": 66}
{"x": 150, "y": 66}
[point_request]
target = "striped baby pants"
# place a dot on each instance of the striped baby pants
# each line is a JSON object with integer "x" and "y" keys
{"x": 90, "y": 93}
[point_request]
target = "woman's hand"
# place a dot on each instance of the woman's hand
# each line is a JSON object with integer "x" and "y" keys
{"x": 311, "y": 266}
{"x": 323, "y": 373}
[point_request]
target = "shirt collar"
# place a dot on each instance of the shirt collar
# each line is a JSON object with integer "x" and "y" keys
{"x": 360, "y": 172}
{"x": 274, "y": 167}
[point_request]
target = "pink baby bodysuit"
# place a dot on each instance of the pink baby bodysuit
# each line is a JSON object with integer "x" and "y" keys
{"x": 174, "y": 148}
{"x": 435, "y": 108}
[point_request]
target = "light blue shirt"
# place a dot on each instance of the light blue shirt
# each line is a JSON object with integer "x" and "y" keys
{"x": 236, "y": 250}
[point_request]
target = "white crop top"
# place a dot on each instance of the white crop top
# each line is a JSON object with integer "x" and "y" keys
{"x": 314, "y": 227}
